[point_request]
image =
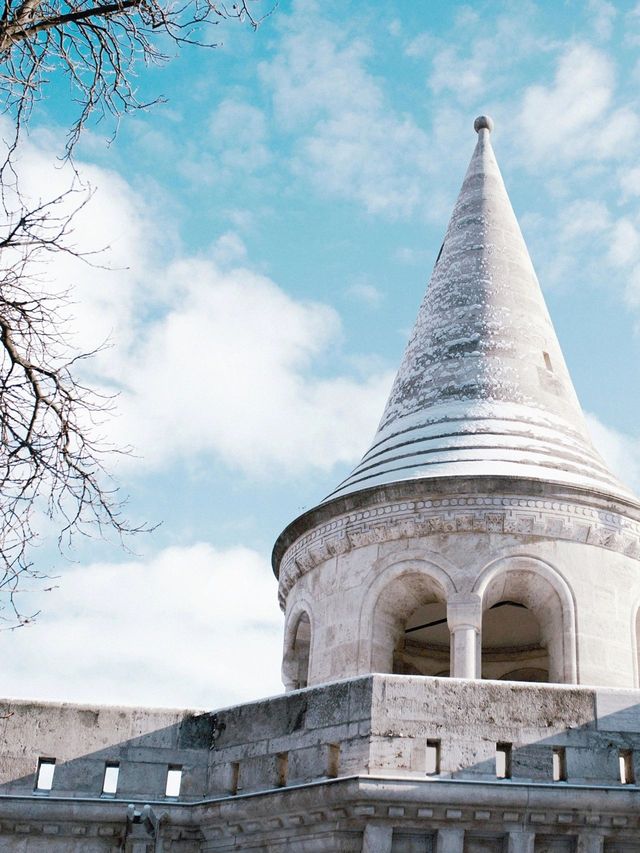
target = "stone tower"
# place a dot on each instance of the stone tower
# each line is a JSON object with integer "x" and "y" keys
{"x": 480, "y": 549}
{"x": 481, "y": 535}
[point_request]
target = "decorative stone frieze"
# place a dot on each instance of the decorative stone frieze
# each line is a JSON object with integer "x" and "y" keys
{"x": 518, "y": 515}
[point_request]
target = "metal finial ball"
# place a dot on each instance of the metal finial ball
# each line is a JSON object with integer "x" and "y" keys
{"x": 483, "y": 122}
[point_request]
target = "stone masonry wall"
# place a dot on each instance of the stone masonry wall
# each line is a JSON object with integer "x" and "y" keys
{"x": 277, "y": 768}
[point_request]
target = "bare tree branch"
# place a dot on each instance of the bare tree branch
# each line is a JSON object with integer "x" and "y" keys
{"x": 96, "y": 46}
{"x": 51, "y": 453}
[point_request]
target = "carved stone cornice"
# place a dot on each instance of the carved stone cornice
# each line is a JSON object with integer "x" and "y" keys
{"x": 517, "y": 514}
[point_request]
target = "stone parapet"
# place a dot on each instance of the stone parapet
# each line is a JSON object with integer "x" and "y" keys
{"x": 327, "y": 762}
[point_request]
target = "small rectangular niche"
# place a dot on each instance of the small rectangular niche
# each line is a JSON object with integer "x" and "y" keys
{"x": 234, "y": 777}
{"x": 282, "y": 769}
{"x": 174, "y": 780}
{"x": 110, "y": 780}
{"x": 559, "y": 764}
{"x": 433, "y": 758}
{"x": 627, "y": 774}
{"x": 503, "y": 761}
{"x": 44, "y": 775}
{"x": 547, "y": 361}
{"x": 333, "y": 761}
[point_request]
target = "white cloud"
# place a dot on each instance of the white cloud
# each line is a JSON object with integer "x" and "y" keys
{"x": 228, "y": 369}
{"x": 583, "y": 218}
{"x": 621, "y": 452}
{"x": 421, "y": 45}
{"x": 209, "y": 356}
{"x": 625, "y": 243}
{"x": 629, "y": 180}
{"x": 366, "y": 292}
{"x": 632, "y": 289}
{"x": 573, "y": 118}
{"x": 351, "y": 142}
{"x": 413, "y": 257}
{"x": 239, "y": 136}
{"x": 114, "y": 224}
{"x": 602, "y": 15}
{"x": 189, "y": 627}
{"x": 451, "y": 73}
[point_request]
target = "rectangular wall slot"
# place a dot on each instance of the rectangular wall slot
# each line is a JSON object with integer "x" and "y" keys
{"x": 433, "y": 758}
{"x": 110, "y": 781}
{"x": 234, "y": 781}
{"x": 547, "y": 361}
{"x": 174, "y": 780}
{"x": 503, "y": 761}
{"x": 627, "y": 775}
{"x": 282, "y": 769}
{"x": 333, "y": 761}
{"x": 559, "y": 764}
{"x": 44, "y": 776}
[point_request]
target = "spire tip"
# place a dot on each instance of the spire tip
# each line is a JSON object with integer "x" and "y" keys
{"x": 483, "y": 122}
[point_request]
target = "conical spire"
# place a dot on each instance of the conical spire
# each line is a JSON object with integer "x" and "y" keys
{"x": 483, "y": 388}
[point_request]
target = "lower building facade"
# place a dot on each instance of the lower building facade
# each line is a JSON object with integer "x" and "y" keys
{"x": 384, "y": 763}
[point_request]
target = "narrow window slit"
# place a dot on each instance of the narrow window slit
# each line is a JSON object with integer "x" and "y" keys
{"x": 282, "y": 769}
{"x": 44, "y": 775}
{"x": 547, "y": 361}
{"x": 627, "y": 775}
{"x": 110, "y": 780}
{"x": 333, "y": 763}
{"x": 234, "y": 784}
{"x": 433, "y": 758}
{"x": 503, "y": 761}
{"x": 559, "y": 764}
{"x": 174, "y": 780}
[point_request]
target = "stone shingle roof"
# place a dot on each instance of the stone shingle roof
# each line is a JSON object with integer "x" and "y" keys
{"x": 483, "y": 388}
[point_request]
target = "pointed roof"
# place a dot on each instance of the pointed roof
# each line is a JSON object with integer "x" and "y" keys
{"x": 483, "y": 388}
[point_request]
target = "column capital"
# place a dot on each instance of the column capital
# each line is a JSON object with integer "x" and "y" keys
{"x": 464, "y": 610}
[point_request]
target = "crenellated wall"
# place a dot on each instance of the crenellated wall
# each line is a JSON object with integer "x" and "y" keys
{"x": 363, "y": 748}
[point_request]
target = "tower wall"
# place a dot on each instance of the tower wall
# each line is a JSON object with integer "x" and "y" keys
{"x": 570, "y": 558}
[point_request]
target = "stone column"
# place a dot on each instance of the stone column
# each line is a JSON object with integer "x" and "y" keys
{"x": 377, "y": 838}
{"x": 464, "y": 617}
{"x": 521, "y": 841}
{"x": 590, "y": 842}
{"x": 450, "y": 841}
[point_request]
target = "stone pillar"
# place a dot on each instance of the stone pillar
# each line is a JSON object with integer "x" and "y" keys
{"x": 521, "y": 841}
{"x": 450, "y": 841}
{"x": 377, "y": 838}
{"x": 590, "y": 842}
{"x": 464, "y": 617}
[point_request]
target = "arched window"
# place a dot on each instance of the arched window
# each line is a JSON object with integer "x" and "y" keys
{"x": 301, "y": 648}
{"x": 410, "y": 632}
{"x": 295, "y": 662}
{"x": 512, "y": 644}
{"x": 527, "y": 623}
{"x": 424, "y": 646}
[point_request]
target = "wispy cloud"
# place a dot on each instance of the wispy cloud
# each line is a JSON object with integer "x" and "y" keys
{"x": 574, "y": 118}
{"x": 209, "y": 355}
{"x": 189, "y": 627}
{"x": 619, "y": 450}
{"x": 351, "y": 142}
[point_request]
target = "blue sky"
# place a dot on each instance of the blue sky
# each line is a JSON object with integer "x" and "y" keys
{"x": 272, "y": 226}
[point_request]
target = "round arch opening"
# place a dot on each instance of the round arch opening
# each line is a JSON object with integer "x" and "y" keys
{"x": 295, "y": 669}
{"x": 512, "y": 644}
{"x": 526, "y": 625}
{"x": 410, "y": 631}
